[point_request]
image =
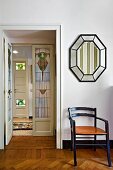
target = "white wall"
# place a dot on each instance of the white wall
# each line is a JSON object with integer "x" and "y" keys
{"x": 76, "y": 17}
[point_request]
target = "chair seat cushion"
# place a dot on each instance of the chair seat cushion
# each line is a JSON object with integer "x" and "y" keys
{"x": 89, "y": 130}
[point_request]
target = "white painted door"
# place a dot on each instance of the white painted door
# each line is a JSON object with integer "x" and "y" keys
{"x": 43, "y": 90}
{"x": 20, "y": 88}
{"x": 8, "y": 89}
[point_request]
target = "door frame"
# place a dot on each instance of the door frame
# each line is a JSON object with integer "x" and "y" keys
{"x": 27, "y": 89}
{"x": 57, "y": 28}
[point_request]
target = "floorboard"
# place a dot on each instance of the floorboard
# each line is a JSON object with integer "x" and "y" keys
{"x": 39, "y": 153}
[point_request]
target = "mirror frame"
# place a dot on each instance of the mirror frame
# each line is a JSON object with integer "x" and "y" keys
{"x": 75, "y": 69}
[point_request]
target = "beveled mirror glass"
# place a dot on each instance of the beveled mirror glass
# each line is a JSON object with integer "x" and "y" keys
{"x": 87, "y": 57}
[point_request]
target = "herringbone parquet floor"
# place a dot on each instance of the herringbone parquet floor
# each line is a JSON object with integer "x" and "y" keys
{"x": 39, "y": 153}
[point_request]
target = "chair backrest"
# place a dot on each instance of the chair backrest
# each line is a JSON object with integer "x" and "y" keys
{"x": 82, "y": 111}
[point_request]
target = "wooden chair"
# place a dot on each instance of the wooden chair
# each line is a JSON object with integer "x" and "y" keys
{"x": 93, "y": 130}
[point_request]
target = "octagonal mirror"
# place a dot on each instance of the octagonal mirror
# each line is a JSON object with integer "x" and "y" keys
{"x": 87, "y": 57}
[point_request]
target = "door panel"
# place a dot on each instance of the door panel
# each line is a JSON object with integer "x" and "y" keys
{"x": 8, "y": 89}
{"x": 43, "y": 90}
{"x": 20, "y": 81}
{"x": 20, "y": 102}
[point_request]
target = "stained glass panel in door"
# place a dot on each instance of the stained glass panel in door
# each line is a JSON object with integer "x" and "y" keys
{"x": 42, "y": 84}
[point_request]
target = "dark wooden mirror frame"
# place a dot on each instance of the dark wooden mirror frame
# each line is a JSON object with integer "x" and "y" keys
{"x": 95, "y": 54}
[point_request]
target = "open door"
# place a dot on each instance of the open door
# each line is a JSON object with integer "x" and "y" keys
{"x": 20, "y": 88}
{"x": 8, "y": 89}
{"x": 43, "y": 90}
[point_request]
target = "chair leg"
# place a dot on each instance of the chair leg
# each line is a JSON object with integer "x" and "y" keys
{"x": 94, "y": 142}
{"x": 71, "y": 140}
{"x": 108, "y": 150}
{"x": 74, "y": 150}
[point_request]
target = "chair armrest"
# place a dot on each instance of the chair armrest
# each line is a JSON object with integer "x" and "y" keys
{"x": 106, "y": 123}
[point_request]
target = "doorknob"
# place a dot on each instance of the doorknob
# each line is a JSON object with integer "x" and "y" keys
{"x": 9, "y": 92}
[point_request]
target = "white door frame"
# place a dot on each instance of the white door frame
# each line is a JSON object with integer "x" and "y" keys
{"x": 57, "y": 28}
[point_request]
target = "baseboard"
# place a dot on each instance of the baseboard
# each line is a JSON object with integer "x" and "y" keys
{"x": 67, "y": 143}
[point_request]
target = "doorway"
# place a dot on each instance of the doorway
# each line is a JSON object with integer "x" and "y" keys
{"x": 34, "y": 90}
{"x": 11, "y": 30}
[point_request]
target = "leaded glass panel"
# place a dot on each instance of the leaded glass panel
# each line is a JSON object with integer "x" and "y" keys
{"x": 20, "y": 102}
{"x": 42, "y": 83}
{"x": 20, "y": 66}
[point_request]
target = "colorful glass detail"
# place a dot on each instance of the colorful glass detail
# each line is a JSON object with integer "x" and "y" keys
{"x": 20, "y": 102}
{"x": 42, "y": 86}
{"x": 42, "y": 91}
{"x": 42, "y": 62}
{"x": 20, "y": 66}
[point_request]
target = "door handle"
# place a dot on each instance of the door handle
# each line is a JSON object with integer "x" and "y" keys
{"x": 9, "y": 92}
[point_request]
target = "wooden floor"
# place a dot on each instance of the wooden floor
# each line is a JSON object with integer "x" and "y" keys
{"x": 39, "y": 153}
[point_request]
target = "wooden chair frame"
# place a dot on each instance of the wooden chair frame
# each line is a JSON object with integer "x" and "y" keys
{"x": 75, "y": 112}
